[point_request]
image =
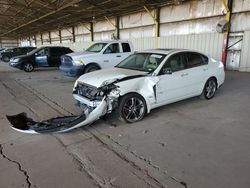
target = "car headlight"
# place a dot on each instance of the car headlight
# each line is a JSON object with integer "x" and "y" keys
{"x": 78, "y": 62}
{"x": 15, "y": 60}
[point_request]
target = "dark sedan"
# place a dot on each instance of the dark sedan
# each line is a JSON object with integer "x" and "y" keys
{"x": 8, "y": 53}
{"x": 41, "y": 57}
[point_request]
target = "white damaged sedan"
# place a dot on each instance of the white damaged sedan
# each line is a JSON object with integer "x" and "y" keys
{"x": 140, "y": 83}
{"x": 147, "y": 80}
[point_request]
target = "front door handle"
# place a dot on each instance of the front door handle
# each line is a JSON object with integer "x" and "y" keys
{"x": 184, "y": 74}
{"x": 205, "y": 69}
{"x": 106, "y": 61}
{"x": 118, "y": 56}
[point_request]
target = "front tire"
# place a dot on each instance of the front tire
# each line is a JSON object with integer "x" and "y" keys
{"x": 91, "y": 68}
{"x": 28, "y": 67}
{"x": 210, "y": 89}
{"x": 132, "y": 108}
{"x": 6, "y": 58}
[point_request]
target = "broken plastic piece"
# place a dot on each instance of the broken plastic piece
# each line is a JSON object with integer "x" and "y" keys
{"x": 22, "y": 123}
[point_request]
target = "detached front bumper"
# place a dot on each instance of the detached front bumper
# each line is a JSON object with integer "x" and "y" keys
{"x": 22, "y": 123}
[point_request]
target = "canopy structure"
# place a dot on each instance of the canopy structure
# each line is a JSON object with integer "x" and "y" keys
{"x": 21, "y": 18}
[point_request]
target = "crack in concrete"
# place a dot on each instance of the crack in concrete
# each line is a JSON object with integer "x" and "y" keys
{"x": 120, "y": 155}
{"x": 19, "y": 166}
{"x": 124, "y": 158}
{"x": 87, "y": 166}
{"x": 15, "y": 98}
{"x": 183, "y": 183}
{"x": 38, "y": 94}
{"x": 148, "y": 161}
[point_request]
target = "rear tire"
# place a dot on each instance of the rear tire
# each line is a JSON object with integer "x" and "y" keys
{"x": 132, "y": 108}
{"x": 209, "y": 89}
{"x": 28, "y": 67}
{"x": 91, "y": 68}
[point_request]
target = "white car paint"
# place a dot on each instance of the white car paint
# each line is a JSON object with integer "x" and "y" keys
{"x": 100, "y": 58}
{"x": 157, "y": 90}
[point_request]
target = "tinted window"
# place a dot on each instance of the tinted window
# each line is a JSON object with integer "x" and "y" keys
{"x": 176, "y": 62}
{"x": 194, "y": 60}
{"x": 205, "y": 59}
{"x": 16, "y": 50}
{"x": 44, "y": 51}
{"x": 23, "y": 50}
{"x": 126, "y": 47}
{"x": 112, "y": 48}
{"x": 55, "y": 51}
{"x": 66, "y": 50}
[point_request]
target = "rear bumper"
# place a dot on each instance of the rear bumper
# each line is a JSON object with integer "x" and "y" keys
{"x": 71, "y": 71}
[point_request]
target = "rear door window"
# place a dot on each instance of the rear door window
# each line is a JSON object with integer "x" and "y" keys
{"x": 176, "y": 62}
{"x": 55, "y": 51}
{"x": 112, "y": 48}
{"x": 194, "y": 59}
{"x": 126, "y": 47}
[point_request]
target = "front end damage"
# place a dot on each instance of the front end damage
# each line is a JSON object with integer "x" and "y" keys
{"x": 95, "y": 102}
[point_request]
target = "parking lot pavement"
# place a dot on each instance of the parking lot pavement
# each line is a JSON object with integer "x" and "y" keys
{"x": 192, "y": 143}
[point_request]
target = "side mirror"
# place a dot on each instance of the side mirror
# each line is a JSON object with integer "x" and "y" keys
{"x": 36, "y": 54}
{"x": 167, "y": 71}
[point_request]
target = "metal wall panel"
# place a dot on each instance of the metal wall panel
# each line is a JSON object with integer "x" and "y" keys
{"x": 245, "y": 53}
{"x": 209, "y": 43}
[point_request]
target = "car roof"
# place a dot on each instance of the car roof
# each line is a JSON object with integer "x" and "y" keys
{"x": 167, "y": 51}
{"x": 53, "y": 47}
{"x": 112, "y": 41}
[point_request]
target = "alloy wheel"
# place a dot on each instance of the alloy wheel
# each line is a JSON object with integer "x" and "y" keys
{"x": 210, "y": 88}
{"x": 133, "y": 109}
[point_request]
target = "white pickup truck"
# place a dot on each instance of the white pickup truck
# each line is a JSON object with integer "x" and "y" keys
{"x": 98, "y": 56}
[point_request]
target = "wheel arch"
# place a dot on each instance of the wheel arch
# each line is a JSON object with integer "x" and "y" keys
{"x": 136, "y": 93}
{"x": 89, "y": 64}
{"x": 213, "y": 77}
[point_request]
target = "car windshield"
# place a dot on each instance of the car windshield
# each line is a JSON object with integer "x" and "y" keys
{"x": 9, "y": 50}
{"x": 146, "y": 62}
{"x": 96, "y": 47}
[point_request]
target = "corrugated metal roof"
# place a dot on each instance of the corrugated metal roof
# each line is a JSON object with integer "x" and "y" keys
{"x": 23, "y": 18}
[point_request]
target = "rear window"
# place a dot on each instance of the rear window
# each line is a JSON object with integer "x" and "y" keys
{"x": 126, "y": 47}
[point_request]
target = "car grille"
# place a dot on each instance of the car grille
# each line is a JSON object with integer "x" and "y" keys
{"x": 66, "y": 60}
{"x": 85, "y": 90}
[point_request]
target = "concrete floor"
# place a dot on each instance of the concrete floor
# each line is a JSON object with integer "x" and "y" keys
{"x": 192, "y": 143}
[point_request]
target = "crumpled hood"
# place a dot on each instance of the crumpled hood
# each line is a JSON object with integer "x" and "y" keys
{"x": 80, "y": 55}
{"x": 96, "y": 78}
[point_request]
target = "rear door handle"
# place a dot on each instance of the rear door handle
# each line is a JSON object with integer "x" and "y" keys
{"x": 184, "y": 74}
{"x": 118, "y": 56}
{"x": 205, "y": 69}
{"x": 106, "y": 61}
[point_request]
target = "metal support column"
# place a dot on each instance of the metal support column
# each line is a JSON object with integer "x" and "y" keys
{"x": 156, "y": 19}
{"x": 35, "y": 40}
{"x": 50, "y": 37}
{"x": 92, "y": 31}
{"x": 73, "y": 34}
{"x": 29, "y": 41}
{"x": 60, "y": 36}
{"x": 118, "y": 27}
{"x": 41, "y": 35}
{"x": 228, "y": 6}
